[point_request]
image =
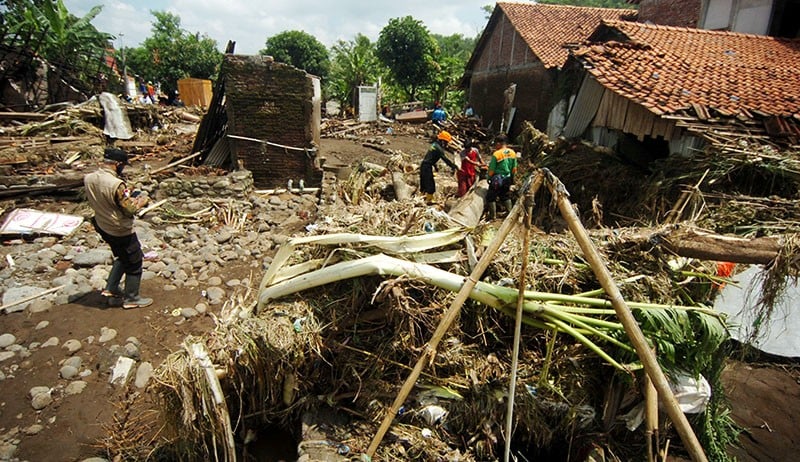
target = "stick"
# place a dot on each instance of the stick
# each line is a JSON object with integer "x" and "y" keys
{"x": 512, "y": 385}
{"x": 177, "y": 162}
{"x": 651, "y": 419}
{"x": 150, "y": 207}
{"x": 625, "y": 316}
{"x": 447, "y": 320}
{"x": 32, "y": 297}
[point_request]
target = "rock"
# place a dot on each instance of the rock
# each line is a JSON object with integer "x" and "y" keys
{"x": 143, "y": 374}
{"x": 93, "y": 258}
{"x": 7, "y": 340}
{"x": 75, "y": 388}
{"x": 95, "y": 459}
{"x": 5, "y": 355}
{"x": 121, "y": 370}
{"x": 42, "y": 400}
{"x": 71, "y": 345}
{"x": 201, "y": 308}
{"x": 223, "y": 236}
{"x": 36, "y": 390}
{"x": 7, "y": 451}
{"x": 107, "y": 334}
{"x": 157, "y": 267}
{"x": 52, "y": 341}
{"x": 40, "y": 305}
{"x": 68, "y": 372}
{"x": 170, "y": 287}
{"x": 214, "y": 281}
{"x": 42, "y": 325}
{"x": 15, "y": 294}
{"x": 188, "y": 312}
{"x": 131, "y": 350}
{"x": 33, "y": 429}
{"x": 233, "y": 283}
{"x": 215, "y": 295}
{"x": 74, "y": 361}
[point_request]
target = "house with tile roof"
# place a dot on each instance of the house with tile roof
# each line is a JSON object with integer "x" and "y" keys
{"x": 512, "y": 75}
{"x": 777, "y": 18}
{"x": 674, "y": 89}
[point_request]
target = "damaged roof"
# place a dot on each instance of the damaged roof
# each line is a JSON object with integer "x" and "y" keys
{"x": 548, "y": 28}
{"x": 671, "y": 69}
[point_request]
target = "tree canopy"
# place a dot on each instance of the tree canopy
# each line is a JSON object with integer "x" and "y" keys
{"x": 171, "y": 54}
{"x": 301, "y": 50}
{"x": 406, "y": 47}
{"x": 353, "y": 63}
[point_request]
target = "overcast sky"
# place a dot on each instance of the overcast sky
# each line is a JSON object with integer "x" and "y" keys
{"x": 250, "y": 22}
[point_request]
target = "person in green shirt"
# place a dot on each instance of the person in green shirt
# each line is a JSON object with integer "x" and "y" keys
{"x": 502, "y": 169}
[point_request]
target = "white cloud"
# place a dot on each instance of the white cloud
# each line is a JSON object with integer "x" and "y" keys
{"x": 250, "y": 22}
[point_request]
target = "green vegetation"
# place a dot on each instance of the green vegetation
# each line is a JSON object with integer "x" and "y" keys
{"x": 353, "y": 63}
{"x": 408, "y": 50}
{"x": 172, "y": 53}
{"x": 299, "y": 49}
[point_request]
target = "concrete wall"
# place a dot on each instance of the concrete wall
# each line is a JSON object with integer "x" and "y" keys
{"x": 681, "y": 13}
{"x": 272, "y": 102}
{"x": 505, "y": 60}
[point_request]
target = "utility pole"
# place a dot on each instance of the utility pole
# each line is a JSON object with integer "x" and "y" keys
{"x": 124, "y": 69}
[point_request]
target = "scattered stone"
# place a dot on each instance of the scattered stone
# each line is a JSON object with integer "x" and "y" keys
{"x": 40, "y": 305}
{"x": 71, "y": 345}
{"x": 188, "y": 312}
{"x": 36, "y": 390}
{"x": 52, "y": 341}
{"x": 215, "y": 295}
{"x": 93, "y": 258}
{"x": 33, "y": 429}
{"x": 214, "y": 281}
{"x": 15, "y": 294}
{"x": 42, "y": 325}
{"x": 131, "y": 350}
{"x": 75, "y": 388}
{"x": 143, "y": 374}
{"x": 74, "y": 361}
{"x": 7, "y": 451}
{"x": 95, "y": 459}
{"x": 170, "y": 287}
{"x": 42, "y": 400}
{"x": 7, "y": 340}
{"x": 106, "y": 334}
{"x": 121, "y": 371}
{"x": 68, "y": 372}
{"x": 5, "y": 355}
{"x": 201, "y": 308}
{"x": 233, "y": 283}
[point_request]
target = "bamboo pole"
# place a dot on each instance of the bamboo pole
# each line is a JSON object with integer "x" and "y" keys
{"x": 177, "y": 162}
{"x": 429, "y": 353}
{"x": 646, "y": 355}
{"x": 651, "y": 419}
{"x": 512, "y": 385}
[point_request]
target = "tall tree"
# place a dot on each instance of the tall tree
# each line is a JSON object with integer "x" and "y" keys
{"x": 406, "y": 47}
{"x": 453, "y": 53}
{"x": 301, "y": 50}
{"x": 353, "y": 63}
{"x": 172, "y": 53}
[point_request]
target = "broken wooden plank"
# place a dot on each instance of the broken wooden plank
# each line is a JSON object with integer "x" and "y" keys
{"x": 23, "y": 115}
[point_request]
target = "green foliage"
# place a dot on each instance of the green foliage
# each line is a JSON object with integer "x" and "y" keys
{"x": 66, "y": 38}
{"x": 454, "y": 52}
{"x": 407, "y": 49}
{"x": 592, "y": 3}
{"x": 171, "y": 54}
{"x": 353, "y": 63}
{"x": 299, "y": 49}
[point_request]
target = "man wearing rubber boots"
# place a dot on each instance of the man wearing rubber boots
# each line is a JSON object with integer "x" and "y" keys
{"x": 502, "y": 169}
{"x": 114, "y": 206}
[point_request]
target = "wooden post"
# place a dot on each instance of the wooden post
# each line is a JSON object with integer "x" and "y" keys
{"x": 646, "y": 355}
{"x": 512, "y": 383}
{"x": 447, "y": 320}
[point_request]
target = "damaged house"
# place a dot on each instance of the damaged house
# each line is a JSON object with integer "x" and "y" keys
{"x": 650, "y": 91}
{"x": 264, "y": 117}
{"x": 522, "y": 49}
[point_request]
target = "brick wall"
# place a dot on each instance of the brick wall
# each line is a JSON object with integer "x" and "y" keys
{"x": 682, "y": 13}
{"x": 271, "y": 101}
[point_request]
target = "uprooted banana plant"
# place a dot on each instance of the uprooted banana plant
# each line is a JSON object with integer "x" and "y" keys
{"x": 682, "y": 334}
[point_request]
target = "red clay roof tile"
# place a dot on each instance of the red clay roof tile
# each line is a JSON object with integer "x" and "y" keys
{"x": 547, "y": 28}
{"x": 730, "y": 72}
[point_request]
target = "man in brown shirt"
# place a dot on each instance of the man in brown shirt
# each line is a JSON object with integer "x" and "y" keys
{"x": 114, "y": 206}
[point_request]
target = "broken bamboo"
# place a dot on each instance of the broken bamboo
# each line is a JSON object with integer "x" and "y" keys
{"x": 28, "y": 299}
{"x": 645, "y": 354}
{"x": 177, "y": 162}
{"x": 429, "y": 353}
{"x": 512, "y": 382}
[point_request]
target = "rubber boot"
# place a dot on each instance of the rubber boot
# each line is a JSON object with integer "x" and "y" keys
{"x": 492, "y": 210}
{"x": 507, "y": 205}
{"x": 132, "y": 298}
{"x": 428, "y": 198}
{"x": 112, "y": 284}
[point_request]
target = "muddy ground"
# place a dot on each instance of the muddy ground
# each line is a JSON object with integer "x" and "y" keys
{"x": 764, "y": 395}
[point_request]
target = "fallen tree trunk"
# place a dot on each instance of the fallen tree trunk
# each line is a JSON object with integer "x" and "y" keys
{"x": 401, "y": 189}
{"x": 467, "y": 212}
{"x": 703, "y": 245}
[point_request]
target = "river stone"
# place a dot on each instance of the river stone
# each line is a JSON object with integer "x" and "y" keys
{"x": 7, "y": 451}
{"x": 14, "y": 294}
{"x": 72, "y": 345}
{"x": 215, "y": 295}
{"x": 33, "y": 429}
{"x": 68, "y": 372}
{"x": 52, "y": 341}
{"x": 107, "y": 334}
{"x": 214, "y": 281}
{"x": 42, "y": 325}
{"x": 93, "y": 258}
{"x": 40, "y": 305}
{"x": 188, "y": 312}
{"x": 7, "y": 340}
{"x": 75, "y": 387}
{"x": 41, "y": 400}
{"x": 143, "y": 374}
{"x": 74, "y": 361}
{"x": 4, "y": 355}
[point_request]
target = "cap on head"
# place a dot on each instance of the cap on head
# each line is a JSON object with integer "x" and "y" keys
{"x": 116, "y": 155}
{"x": 445, "y": 136}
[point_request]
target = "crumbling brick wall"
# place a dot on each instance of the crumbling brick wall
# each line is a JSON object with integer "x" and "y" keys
{"x": 682, "y": 13}
{"x": 272, "y": 102}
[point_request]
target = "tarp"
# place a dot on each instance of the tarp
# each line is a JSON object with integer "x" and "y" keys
{"x": 780, "y": 334}
{"x": 28, "y": 221}
{"x": 117, "y": 124}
